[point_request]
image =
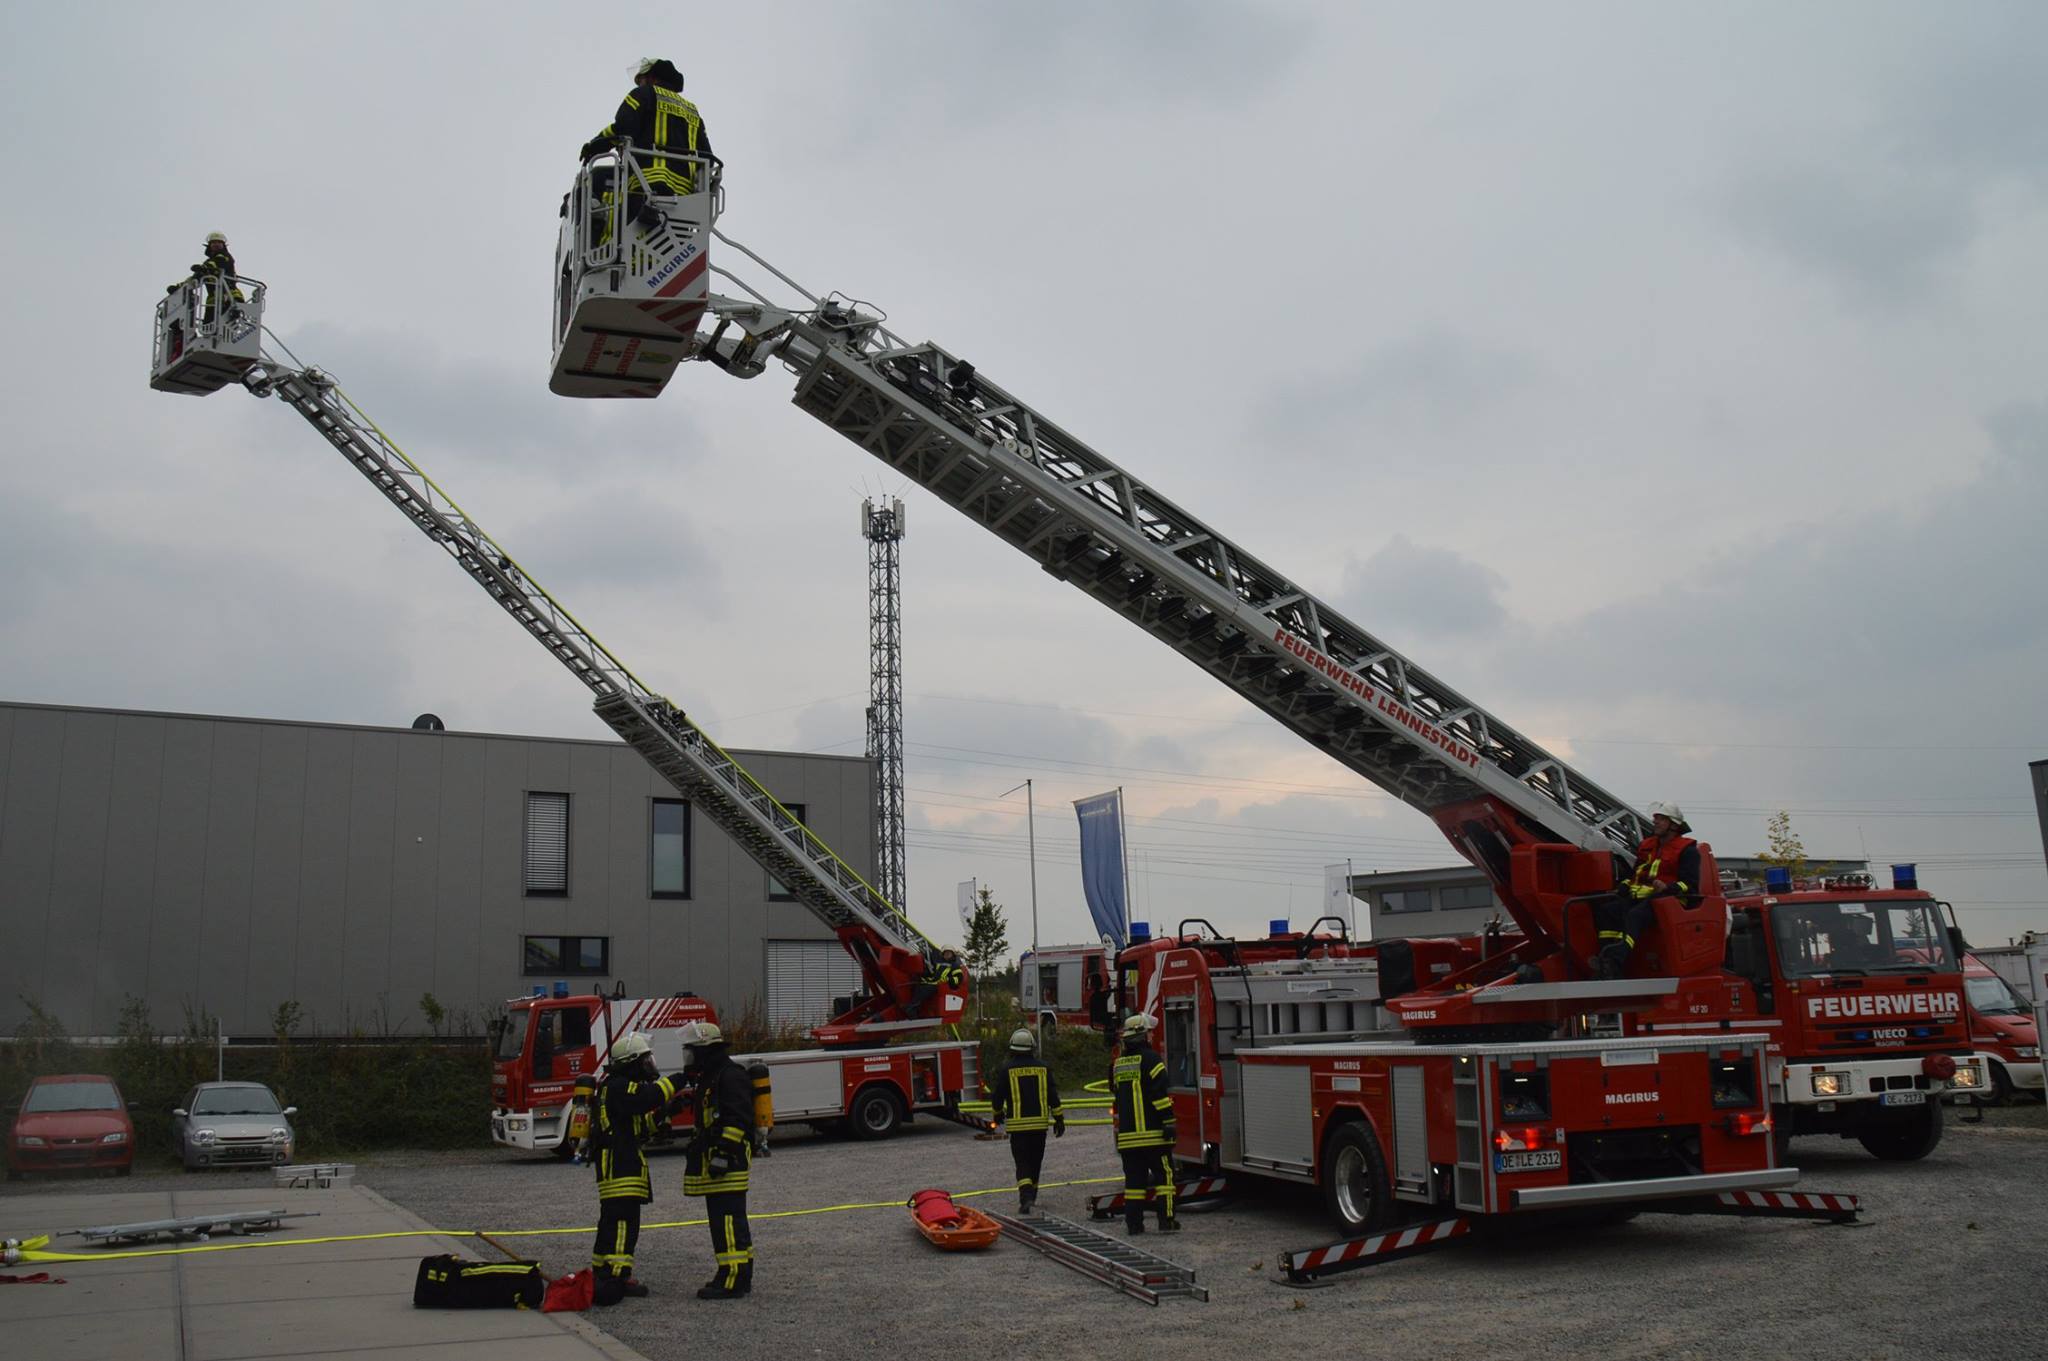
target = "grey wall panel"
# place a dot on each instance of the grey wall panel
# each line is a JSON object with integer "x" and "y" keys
{"x": 461, "y": 977}
{"x": 28, "y": 834}
{"x": 323, "y": 877}
{"x": 276, "y": 908}
{"x": 225, "y": 885}
{"x": 504, "y": 841}
{"x": 128, "y": 902}
{"x": 177, "y": 906}
{"x": 415, "y": 846}
{"x": 78, "y": 860}
{"x": 366, "y": 935}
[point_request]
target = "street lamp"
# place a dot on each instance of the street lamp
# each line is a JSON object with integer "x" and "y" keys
{"x": 1031, "y": 832}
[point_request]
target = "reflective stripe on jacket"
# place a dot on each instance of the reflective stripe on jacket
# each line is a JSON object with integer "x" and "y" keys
{"x": 1024, "y": 1096}
{"x": 662, "y": 120}
{"x": 1144, "y": 1112}
{"x": 725, "y": 1128}
{"x": 627, "y": 1111}
{"x": 1676, "y": 862}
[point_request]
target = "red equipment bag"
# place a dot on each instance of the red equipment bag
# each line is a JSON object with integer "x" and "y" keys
{"x": 573, "y": 1293}
{"x": 935, "y": 1208}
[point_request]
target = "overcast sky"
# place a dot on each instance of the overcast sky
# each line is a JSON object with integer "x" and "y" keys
{"x": 1667, "y": 379}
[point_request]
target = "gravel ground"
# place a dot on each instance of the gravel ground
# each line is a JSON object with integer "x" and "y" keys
{"x": 861, "y": 1283}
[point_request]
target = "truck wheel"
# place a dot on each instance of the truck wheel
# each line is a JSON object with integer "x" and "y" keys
{"x": 877, "y": 1113}
{"x": 1355, "y": 1180}
{"x": 1907, "y": 1140}
{"x": 565, "y": 1151}
{"x": 2001, "y": 1085}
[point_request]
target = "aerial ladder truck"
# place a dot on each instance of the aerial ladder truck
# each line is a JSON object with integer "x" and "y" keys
{"x": 1553, "y": 843}
{"x": 909, "y": 985}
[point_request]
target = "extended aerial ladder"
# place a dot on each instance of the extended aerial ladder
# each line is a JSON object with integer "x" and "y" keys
{"x": 892, "y": 953}
{"x": 1549, "y": 837}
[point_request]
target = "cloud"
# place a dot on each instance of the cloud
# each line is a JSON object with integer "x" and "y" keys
{"x": 1415, "y": 590}
{"x": 1429, "y": 386}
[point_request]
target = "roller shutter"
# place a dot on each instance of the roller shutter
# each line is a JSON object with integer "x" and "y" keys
{"x": 803, "y": 978}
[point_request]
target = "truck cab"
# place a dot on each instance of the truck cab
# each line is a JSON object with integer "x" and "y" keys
{"x": 1861, "y": 992}
{"x": 1063, "y": 984}
{"x": 2002, "y": 1032}
{"x": 543, "y": 1043}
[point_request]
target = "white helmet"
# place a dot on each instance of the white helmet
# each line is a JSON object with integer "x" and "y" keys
{"x": 1138, "y": 1023}
{"x": 697, "y": 1034}
{"x": 212, "y": 237}
{"x": 1669, "y": 810}
{"x": 1021, "y": 1039}
{"x": 631, "y": 1046}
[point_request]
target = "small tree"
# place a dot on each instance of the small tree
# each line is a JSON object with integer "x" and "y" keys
{"x": 1784, "y": 849}
{"x": 988, "y": 945}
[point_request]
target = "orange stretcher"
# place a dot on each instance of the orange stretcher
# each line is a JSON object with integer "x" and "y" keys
{"x": 954, "y": 1227}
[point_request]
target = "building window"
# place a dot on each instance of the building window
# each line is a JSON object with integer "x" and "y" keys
{"x": 547, "y": 845}
{"x": 555, "y": 956}
{"x": 1454, "y": 896}
{"x": 668, "y": 851}
{"x": 778, "y": 892}
{"x": 1404, "y": 900}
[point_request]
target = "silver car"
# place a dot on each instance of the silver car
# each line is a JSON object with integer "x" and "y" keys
{"x": 222, "y": 1124}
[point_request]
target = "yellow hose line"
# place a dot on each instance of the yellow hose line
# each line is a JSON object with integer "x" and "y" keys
{"x": 34, "y": 1256}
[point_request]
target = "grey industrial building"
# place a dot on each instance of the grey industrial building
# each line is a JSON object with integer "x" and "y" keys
{"x": 229, "y": 865}
{"x": 1456, "y": 899}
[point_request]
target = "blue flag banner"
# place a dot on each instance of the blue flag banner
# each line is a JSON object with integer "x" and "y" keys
{"x": 1102, "y": 864}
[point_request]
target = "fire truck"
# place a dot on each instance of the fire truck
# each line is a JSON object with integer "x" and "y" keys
{"x": 2002, "y": 1031}
{"x": 545, "y": 1042}
{"x": 1063, "y": 984}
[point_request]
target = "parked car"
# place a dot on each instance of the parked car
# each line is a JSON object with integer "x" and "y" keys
{"x": 2002, "y": 1029}
{"x": 223, "y": 1124}
{"x": 71, "y": 1121}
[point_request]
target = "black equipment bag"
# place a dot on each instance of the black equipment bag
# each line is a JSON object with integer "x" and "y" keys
{"x": 451, "y": 1282}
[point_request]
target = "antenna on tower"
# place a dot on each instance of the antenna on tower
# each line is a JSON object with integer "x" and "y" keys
{"x": 881, "y": 524}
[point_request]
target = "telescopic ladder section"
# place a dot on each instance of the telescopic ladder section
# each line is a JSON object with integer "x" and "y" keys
{"x": 677, "y": 748}
{"x": 937, "y": 421}
{"x": 1100, "y": 1256}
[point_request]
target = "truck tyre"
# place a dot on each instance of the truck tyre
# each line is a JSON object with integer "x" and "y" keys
{"x": 2001, "y": 1085}
{"x": 876, "y": 1113}
{"x": 1355, "y": 1180}
{"x": 1907, "y": 1140}
{"x": 565, "y": 1150}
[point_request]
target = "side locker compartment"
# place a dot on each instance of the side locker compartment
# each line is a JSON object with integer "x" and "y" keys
{"x": 1413, "y": 1178}
{"x": 1468, "y": 1098}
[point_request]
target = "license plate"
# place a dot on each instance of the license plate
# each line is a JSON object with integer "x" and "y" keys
{"x": 1529, "y": 1160}
{"x": 1905, "y": 1098}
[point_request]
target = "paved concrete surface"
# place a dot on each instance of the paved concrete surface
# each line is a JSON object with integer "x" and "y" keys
{"x": 332, "y": 1300}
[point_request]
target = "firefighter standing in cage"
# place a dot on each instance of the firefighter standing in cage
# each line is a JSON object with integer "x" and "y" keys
{"x": 626, "y": 1106}
{"x": 719, "y": 1158}
{"x": 1024, "y": 1100}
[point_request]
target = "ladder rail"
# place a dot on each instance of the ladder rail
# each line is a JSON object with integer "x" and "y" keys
{"x": 676, "y": 746}
{"x": 1089, "y": 522}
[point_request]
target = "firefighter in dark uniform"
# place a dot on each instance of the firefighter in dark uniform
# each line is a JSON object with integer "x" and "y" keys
{"x": 719, "y": 1157}
{"x": 657, "y": 118}
{"x": 1667, "y": 866}
{"x": 627, "y": 1105}
{"x": 1025, "y": 1100}
{"x": 1144, "y": 1127}
{"x": 940, "y": 971}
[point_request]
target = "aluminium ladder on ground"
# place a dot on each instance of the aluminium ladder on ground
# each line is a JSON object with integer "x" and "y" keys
{"x": 677, "y": 748}
{"x": 934, "y": 419}
{"x": 1115, "y": 1262}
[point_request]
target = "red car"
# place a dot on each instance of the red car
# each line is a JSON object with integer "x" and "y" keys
{"x": 75, "y": 1120}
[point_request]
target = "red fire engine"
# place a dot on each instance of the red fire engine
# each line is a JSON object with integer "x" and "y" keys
{"x": 1064, "y": 984}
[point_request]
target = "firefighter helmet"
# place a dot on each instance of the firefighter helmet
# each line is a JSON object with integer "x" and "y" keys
{"x": 631, "y": 1046}
{"x": 1021, "y": 1039}
{"x": 698, "y": 1034}
{"x": 1138, "y": 1023}
{"x": 212, "y": 237}
{"x": 1670, "y": 810}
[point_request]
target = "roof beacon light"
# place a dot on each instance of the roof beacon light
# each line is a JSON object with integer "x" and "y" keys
{"x": 561, "y": 987}
{"x": 1905, "y": 876}
{"x": 1140, "y": 932}
{"x": 1277, "y": 926}
{"x": 1777, "y": 879}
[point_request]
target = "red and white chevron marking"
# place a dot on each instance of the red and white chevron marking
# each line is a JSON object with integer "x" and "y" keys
{"x": 1357, "y": 1251}
{"x": 1187, "y": 1190}
{"x": 1790, "y": 1200}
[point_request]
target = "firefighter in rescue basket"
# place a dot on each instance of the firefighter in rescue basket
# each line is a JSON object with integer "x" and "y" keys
{"x": 1024, "y": 1099}
{"x": 627, "y": 1105}
{"x": 719, "y": 1157}
{"x": 1144, "y": 1127}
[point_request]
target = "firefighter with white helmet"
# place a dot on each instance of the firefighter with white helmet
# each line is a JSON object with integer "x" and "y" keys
{"x": 1667, "y": 867}
{"x": 215, "y": 273}
{"x": 1144, "y": 1127}
{"x": 655, "y": 117}
{"x": 1024, "y": 1098}
{"x": 719, "y": 1158}
{"x": 627, "y": 1104}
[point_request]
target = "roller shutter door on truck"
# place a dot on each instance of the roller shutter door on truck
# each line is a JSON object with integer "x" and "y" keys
{"x": 803, "y": 978}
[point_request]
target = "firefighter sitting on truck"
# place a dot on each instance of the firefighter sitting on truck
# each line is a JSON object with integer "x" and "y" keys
{"x": 719, "y": 1156}
{"x": 1024, "y": 1098}
{"x": 1144, "y": 1127}
{"x": 1667, "y": 866}
{"x": 628, "y": 1103}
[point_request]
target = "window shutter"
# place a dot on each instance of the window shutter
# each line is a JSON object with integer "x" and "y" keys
{"x": 547, "y": 843}
{"x": 803, "y": 978}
